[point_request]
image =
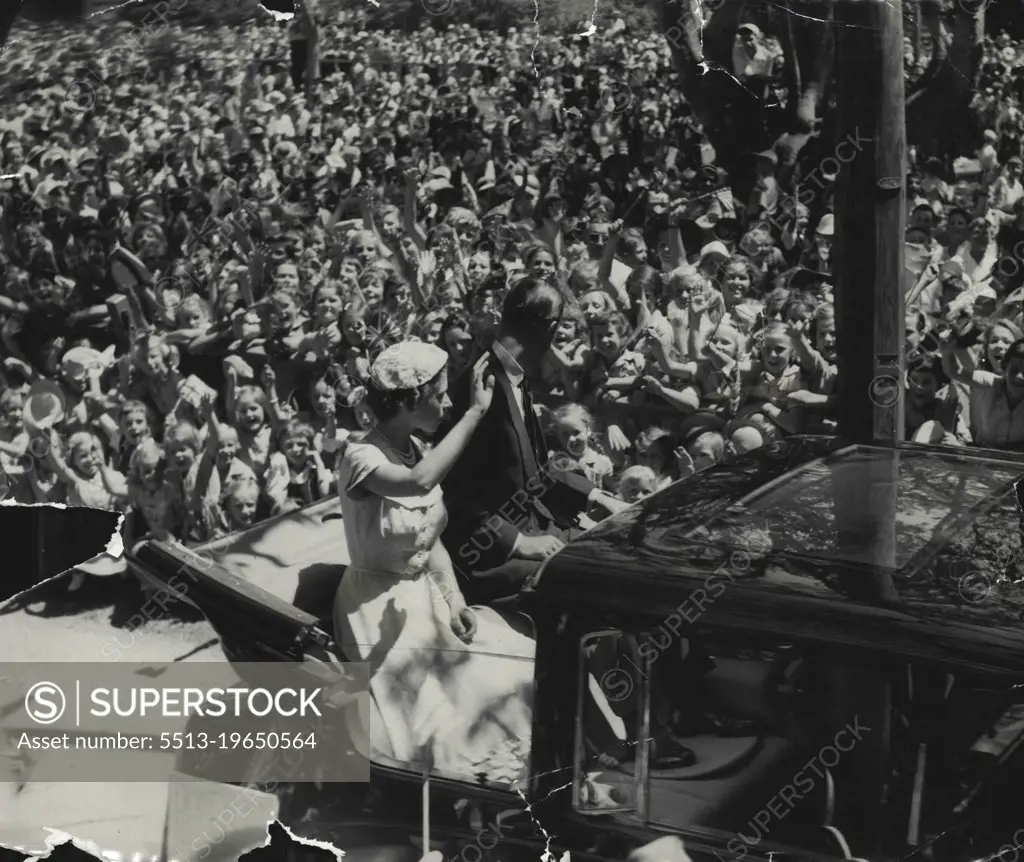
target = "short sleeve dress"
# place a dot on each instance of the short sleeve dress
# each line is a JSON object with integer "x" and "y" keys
{"x": 464, "y": 709}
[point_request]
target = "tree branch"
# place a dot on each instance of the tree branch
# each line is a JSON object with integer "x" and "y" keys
{"x": 931, "y": 20}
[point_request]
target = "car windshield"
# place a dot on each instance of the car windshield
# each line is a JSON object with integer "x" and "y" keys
{"x": 818, "y": 511}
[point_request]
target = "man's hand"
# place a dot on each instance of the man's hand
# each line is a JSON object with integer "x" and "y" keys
{"x": 683, "y": 461}
{"x": 538, "y": 547}
{"x": 585, "y": 522}
{"x": 617, "y": 440}
{"x": 653, "y": 385}
{"x": 609, "y": 503}
{"x": 802, "y": 396}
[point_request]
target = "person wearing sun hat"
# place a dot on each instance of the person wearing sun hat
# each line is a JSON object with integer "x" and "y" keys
{"x": 712, "y": 256}
{"x": 466, "y": 710}
{"x": 1005, "y": 191}
{"x": 285, "y": 150}
{"x": 764, "y": 199}
{"x": 751, "y": 61}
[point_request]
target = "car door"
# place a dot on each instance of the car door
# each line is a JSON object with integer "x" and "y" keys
{"x": 740, "y": 744}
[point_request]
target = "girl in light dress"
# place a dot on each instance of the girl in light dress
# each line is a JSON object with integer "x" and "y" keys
{"x": 90, "y": 482}
{"x": 14, "y": 440}
{"x": 152, "y": 497}
{"x": 296, "y": 476}
{"x": 247, "y": 405}
{"x": 573, "y": 426}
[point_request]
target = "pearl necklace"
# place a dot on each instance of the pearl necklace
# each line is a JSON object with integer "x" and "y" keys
{"x": 408, "y": 458}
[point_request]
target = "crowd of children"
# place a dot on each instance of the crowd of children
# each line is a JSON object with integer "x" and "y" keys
{"x": 196, "y": 276}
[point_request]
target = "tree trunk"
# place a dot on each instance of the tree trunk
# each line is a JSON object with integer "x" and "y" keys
{"x": 939, "y": 121}
{"x": 738, "y": 121}
{"x": 735, "y": 120}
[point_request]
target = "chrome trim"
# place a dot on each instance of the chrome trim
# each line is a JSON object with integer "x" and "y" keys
{"x": 641, "y": 769}
{"x": 579, "y": 747}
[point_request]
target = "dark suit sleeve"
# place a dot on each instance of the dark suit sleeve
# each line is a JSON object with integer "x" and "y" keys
{"x": 569, "y": 493}
{"x": 478, "y": 536}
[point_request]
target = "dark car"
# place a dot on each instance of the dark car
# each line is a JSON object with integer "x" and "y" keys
{"x": 813, "y": 651}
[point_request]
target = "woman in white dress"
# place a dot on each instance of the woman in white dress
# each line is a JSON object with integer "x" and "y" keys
{"x": 453, "y": 685}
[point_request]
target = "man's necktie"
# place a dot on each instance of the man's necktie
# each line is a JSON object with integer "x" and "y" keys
{"x": 530, "y": 419}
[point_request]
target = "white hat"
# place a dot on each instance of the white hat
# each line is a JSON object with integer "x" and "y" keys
{"x": 827, "y": 225}
{"x": 407, "y": 365}
{"x": 78, "y": 361}
{"x": 716, "y": 248}
{"x": 285, "y": 150}
{"x": 43, "y": 407}
{"x": 51, "y": 156}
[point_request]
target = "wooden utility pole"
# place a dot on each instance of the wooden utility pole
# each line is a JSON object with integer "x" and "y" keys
{"x": 870, "y": 209}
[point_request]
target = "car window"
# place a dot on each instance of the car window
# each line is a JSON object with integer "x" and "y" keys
{"x": 755, "y": 745}
{"x": 610, "y": 721}
{"x": 804, "y": 514}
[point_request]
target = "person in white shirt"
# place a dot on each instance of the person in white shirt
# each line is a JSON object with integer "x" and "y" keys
{"x": 752, "y": 62}
{"x": 1005, "y": 191}
{"x": 988, "y": 160}
{"x": 980, "y": 253}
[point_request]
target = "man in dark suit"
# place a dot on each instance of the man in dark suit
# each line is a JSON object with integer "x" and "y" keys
{"x": 509, "y": 507}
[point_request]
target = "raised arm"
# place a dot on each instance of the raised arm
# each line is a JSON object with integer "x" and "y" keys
{"x": 208, "y": 457}
{"x": 230, "y": 387}
{"x": 678, "y": 249}
{"x": 961, "y": 366}
{"x": 697, "y": 333}
{"x": 412, "y": 226}
{"x": 604, "y": 272}
{"x": 269, "y": 380}
{"x": 137, "y": 282}
{"x": 12, "y": 306}
{"x": 92, "y": 314}
{"x": 57, "y": 463}
{"x": 116, "y": 485}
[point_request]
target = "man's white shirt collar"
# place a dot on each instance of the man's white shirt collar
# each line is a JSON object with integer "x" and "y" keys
{"x": 512, "y": 368}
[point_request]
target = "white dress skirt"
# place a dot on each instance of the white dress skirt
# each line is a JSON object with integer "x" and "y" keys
{"x": 459, "y": 709}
